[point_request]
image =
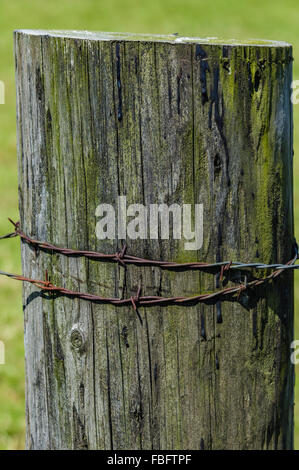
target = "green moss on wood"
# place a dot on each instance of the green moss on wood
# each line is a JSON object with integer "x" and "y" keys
{"x": 159, "y": 119}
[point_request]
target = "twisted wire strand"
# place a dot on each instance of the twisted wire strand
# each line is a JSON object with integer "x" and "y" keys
{"x": 123, "y": 258}
{"x": 144, "y": 301}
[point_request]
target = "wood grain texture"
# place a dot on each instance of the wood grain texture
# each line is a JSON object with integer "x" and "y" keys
{"x": 160, "y": 120}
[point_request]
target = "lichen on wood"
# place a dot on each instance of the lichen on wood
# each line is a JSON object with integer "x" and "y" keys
{"x": 173, "y": 120}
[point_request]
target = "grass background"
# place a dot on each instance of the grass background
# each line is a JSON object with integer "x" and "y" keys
{"x": 268, "y": 19}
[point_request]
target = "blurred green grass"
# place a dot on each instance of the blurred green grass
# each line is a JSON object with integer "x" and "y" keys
{"x": 270, "y": 19}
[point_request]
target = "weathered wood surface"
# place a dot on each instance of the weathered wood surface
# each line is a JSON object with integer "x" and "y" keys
{"x": 158, "y": 120}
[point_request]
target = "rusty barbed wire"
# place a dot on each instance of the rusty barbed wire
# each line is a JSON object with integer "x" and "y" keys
{"x": 124, "y": 259}
{"x": 148, "y": 301}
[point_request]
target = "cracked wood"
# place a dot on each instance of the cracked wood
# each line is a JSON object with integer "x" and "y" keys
{"x": 158, "y": 120}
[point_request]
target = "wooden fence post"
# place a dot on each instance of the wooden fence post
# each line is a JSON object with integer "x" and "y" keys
{"x": 159, "y": 120}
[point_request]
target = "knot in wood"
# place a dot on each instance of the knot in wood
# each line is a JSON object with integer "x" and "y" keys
{"x": 77, "y": 338}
